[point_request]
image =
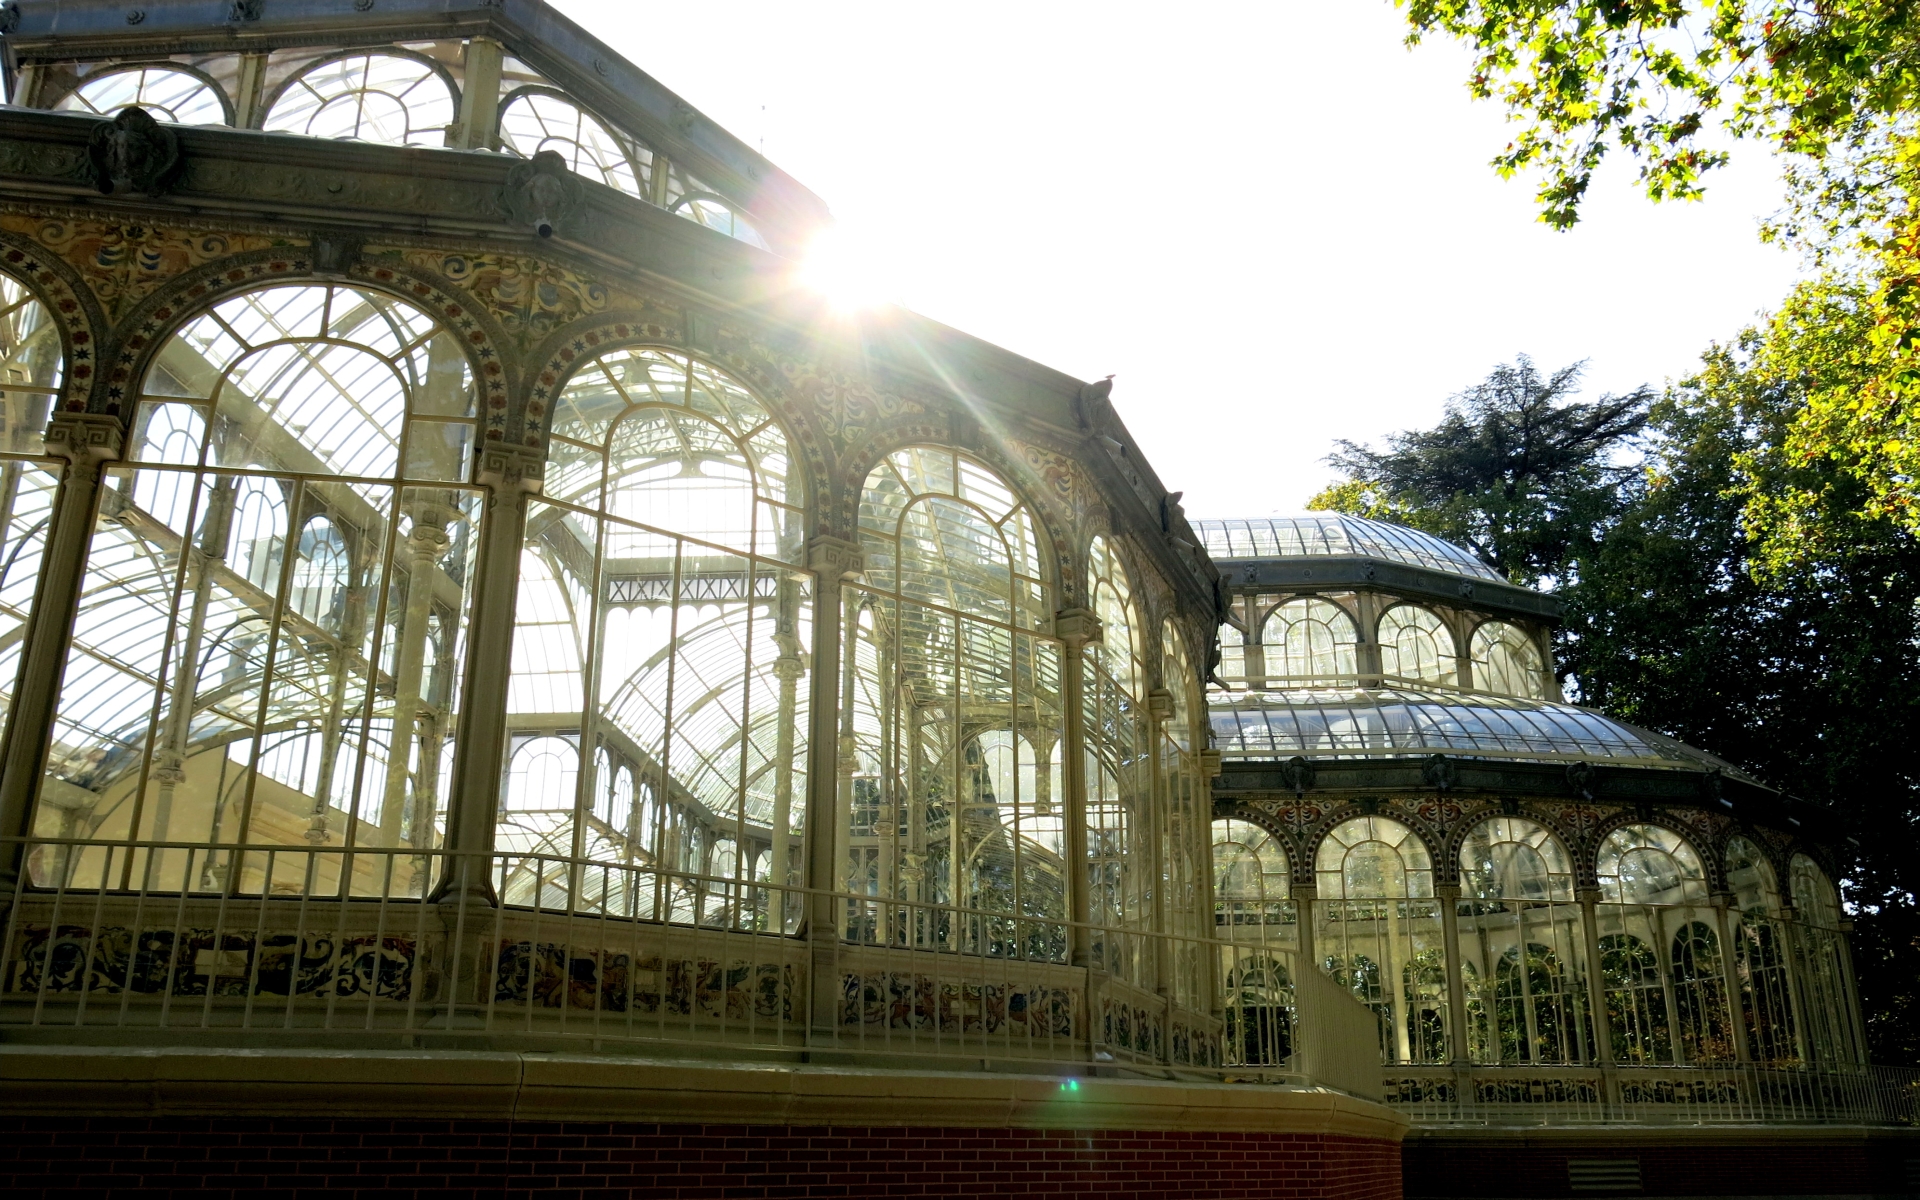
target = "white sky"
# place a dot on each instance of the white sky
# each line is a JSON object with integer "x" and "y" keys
{"x": 1272, "y": 222}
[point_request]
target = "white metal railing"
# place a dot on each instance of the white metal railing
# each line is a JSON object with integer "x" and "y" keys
{"x": 227, "y": 944}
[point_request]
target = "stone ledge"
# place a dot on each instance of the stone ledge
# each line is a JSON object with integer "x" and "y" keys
{"x": 112, "y": 1081}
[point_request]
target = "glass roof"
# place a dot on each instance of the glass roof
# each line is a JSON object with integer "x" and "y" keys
{"x": 1338, "y": 534}
{"x": 1396, "y": 723}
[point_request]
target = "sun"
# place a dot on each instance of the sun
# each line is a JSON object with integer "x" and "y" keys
{"x": 845, "y": 268}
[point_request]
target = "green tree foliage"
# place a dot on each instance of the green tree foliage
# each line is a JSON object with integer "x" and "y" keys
{"x": 1832, "y": 87}
{"x": 1805, "y": 670}
{"x": 1825, "y": 82}
{"x": 1517, "y": 470}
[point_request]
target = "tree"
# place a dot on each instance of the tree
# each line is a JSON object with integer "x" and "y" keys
{"x": 1832, "y": 86}
{"x": 1830, "y": 83}
{"x": 1517, "y": 470}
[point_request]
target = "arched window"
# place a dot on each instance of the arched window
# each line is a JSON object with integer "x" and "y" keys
{"x": 1309, "y": 642}
{"x": 540, "y": 777}
{"x": 1380, "y": 933}
{"x": 1249, "y": 868}
{"x": 1188, "y": 811}
{"x": 1657, "y": 949}
{"x": 1645, "y": 864}
{"x": 1506, "y": 661}
{"x": 393, "y": 99}
{"x": 1416, "y": 647}
{"x": 1259, "y": 1010}
{"x": 535, "y": 119}
{"x": 662, "y": 610}
{"x": 258, "y": 538}
{"x": 320, "y": 575}
{"x": 1116, "y": 758}
{"x": 954, "y": 690}
{"x": 718, "y": 215}
{"x": 1761, "y": 957}
{"x": 1512, "y": 858}
{"x": 1371, "y": 858}
{"x": 620, "y": 805}
{"x": 169, "y": 93}
{"x": 1521, "y": 942}
{"x": 1832, "y": 1034}
{"x": 1251, "y": 884}
{"x": 353, "y": 412}
{"x": 1699, "y": 995}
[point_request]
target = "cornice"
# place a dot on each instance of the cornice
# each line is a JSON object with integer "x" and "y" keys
{"x": 1320, "y": 573}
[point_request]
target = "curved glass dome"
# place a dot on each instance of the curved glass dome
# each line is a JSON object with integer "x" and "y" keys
{"x": 1395, "y": 723}
{"x": 1337, "y": 534}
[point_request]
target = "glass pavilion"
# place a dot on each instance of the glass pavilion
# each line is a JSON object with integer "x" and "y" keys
{"x": 1507, "y": 880}
{"x": 456, "y": 589}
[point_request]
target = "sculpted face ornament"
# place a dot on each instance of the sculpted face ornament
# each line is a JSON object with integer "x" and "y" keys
{"x": 133, "y": 153}
{"x": 541, "y": 192}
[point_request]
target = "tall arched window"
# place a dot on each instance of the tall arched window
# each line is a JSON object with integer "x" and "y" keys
{"x": 1118, "y": 787}
{"x": 535, "y": 118}
{"x": 949, "y": 807}
{"x": 393, "y": 99}
{"x": 1417, "y": 648}
{"x": 1832, "y": 1033}
{"x": 32, "y": 369}
{"x": 1761, "y": 956}
{"x": 1506, "y": 661}
{"x": 1658, "y": 949}
{"x": 1184, "y": 838}
{"x": 1309, "y": 642}
{"x": 1521, "y": 946}
{"x": 1251, "y": 886}
{"x": 1379, "y": 932}
{"x": 663, "y": 614}
{"x": 320, "y": 574}
{"x": 169, "y": 93}
{"x": 217, "y": 645}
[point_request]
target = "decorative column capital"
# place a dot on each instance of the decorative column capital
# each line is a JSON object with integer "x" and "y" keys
{"x": 85, "y": 438}
{"x": 510, "y": 468}
{"x": 1210, "y": 764}
{"x": 1446, "y": 891}
{"x": 1077, "y": 627}
{"x": 835, "y": 558}
{"x": 1160, "y": 704}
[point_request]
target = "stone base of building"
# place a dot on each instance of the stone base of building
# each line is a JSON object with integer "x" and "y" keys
{"x": 217, "y": 1123}
{"x": 1721, "y": 1163}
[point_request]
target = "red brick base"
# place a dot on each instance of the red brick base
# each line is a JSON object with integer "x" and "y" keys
{"x": 444, "y": 1160}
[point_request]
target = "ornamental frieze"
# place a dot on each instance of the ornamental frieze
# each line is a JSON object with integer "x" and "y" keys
{"x": 122, "y": 264}
{"x": 530, "y": 297}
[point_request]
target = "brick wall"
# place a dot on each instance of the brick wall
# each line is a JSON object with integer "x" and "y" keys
{"x": 1494, "y": 1168}
{"x": 219, "y": 1158}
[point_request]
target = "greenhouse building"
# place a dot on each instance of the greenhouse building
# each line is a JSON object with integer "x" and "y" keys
{"x": 505, "y": 688}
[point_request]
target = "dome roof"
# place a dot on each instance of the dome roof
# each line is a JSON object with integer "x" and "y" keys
{"x": 1397, "y": 723}
{"x": 1338, "y": 535}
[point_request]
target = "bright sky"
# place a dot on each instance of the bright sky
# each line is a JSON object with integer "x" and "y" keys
{"x": 1272, "y": 222}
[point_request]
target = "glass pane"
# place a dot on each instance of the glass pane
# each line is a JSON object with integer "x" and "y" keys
{"x": 656, "y": 642}
{"x": 167, "y": 93}
{"x": 385, "y": 98}
{"x": 268, "y": 646}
